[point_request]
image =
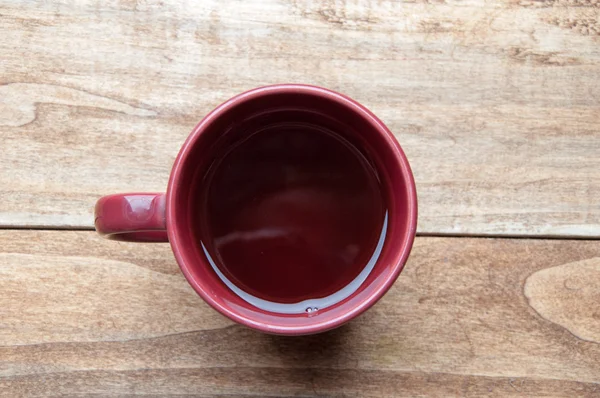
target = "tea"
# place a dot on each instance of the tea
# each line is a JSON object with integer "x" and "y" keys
{"x": 293, "y": 212}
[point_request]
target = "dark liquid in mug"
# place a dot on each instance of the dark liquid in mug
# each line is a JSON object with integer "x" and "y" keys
{"x": 290, "y": 213}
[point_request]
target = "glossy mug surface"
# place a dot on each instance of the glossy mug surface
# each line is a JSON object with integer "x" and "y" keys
{"x": 291, "y": 209}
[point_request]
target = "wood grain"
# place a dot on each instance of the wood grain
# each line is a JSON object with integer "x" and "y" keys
{"x": 495, "y": 102}
{"x": 568, "y": 296}
{"x": 468, "y": 317}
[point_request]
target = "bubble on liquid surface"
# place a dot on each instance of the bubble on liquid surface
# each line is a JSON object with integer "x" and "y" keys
{"x": 311, "y": 309}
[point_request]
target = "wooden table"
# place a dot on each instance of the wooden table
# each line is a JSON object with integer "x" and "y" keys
{"x": 496, "y": 103}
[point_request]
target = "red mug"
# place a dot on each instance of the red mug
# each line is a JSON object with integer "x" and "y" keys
{"x": 290, "y": 209}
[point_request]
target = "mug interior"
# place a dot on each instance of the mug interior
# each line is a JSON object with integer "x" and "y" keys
{"x": 285, "y": 103}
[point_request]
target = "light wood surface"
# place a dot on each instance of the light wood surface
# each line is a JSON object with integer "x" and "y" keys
{"x": 496, "y": 103}
{"x": 468, "y": 317}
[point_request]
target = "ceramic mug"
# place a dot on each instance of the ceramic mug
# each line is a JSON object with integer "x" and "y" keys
{"x": 158, "y": 217}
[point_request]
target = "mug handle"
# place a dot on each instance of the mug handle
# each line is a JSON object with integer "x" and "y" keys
{"x": 132, "y": 217}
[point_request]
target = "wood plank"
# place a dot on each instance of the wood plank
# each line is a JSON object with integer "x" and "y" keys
{"x": 495, "y": 102}
{"x": 468, "y": 317}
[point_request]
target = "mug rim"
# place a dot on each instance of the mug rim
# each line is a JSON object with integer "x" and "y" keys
{"x": 174, "y": 232}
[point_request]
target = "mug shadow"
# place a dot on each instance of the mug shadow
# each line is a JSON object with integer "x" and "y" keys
{"x": 317, "y": 364}
{"x": 322, "y": 349}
